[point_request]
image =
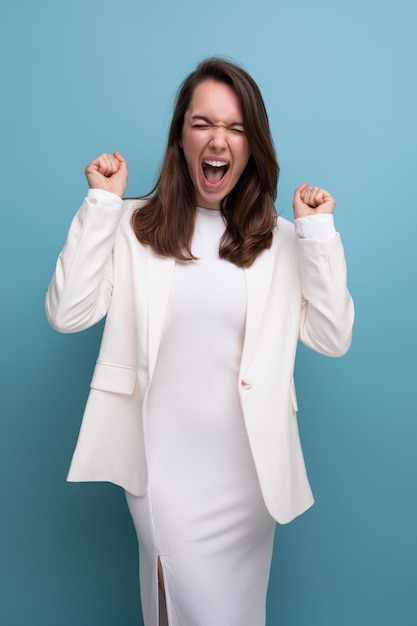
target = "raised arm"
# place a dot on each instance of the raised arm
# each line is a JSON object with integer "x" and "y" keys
{"x": 80, "y": 290}
{"x": 327, "y": 307}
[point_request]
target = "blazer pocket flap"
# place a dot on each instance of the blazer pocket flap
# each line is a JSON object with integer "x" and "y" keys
{"x": 114, "y": 378}
{"x": 293, "y": 396}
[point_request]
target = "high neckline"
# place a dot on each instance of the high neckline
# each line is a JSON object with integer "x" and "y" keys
{"x": 210, "y": 212}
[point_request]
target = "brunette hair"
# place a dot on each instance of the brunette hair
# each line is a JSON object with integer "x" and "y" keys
{"x": 166, "y": 220}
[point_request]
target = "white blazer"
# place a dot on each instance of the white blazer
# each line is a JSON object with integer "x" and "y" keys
{"x": 295, "y": 290}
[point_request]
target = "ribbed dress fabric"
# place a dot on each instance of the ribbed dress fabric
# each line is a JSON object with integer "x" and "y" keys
{"x": 203, "y": 514}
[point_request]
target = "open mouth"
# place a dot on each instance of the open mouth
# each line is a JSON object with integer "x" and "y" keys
{"x": 214, "y": 171}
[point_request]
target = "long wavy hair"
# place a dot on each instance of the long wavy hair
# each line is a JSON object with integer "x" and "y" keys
{"x": 166, "y": 220}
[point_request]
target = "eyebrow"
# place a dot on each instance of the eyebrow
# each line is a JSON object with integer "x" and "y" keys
{"x": 202, "y": 118}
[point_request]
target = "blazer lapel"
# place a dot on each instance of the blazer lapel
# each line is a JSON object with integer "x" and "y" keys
{"x": 258, "y": 280}
{"x": 160, "y": 277}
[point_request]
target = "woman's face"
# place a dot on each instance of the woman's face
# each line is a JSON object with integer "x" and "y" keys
{"x": 214, "y": 142}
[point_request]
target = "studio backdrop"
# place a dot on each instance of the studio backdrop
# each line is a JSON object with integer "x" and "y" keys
{"x": 339, "y": 81}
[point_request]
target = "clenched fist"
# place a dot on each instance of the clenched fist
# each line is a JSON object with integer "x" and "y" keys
{"x": 312, "y": 200}
{"x": 108, "y": 172}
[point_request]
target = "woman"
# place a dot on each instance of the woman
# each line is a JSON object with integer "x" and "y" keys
{"x": 192, "y": 408}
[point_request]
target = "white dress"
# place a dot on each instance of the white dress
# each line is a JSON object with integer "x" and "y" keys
{"x": 203, "y": 514}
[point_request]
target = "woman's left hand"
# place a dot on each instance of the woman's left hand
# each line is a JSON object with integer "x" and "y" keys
{"x": 312, "y": 200}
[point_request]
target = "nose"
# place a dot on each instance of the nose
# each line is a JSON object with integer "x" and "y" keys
{"x": 218, "y": 139}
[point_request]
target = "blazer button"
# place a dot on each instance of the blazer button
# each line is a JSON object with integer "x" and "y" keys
{"x": 246, "y": 384}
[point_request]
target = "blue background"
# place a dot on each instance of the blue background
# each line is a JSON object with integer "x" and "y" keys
{"x": 339, "y": 80}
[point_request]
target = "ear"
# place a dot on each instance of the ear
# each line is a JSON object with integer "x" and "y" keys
{"x": 180, "y": 143}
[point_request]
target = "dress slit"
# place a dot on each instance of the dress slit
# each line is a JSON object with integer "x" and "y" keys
{"x": 162, "y": 596}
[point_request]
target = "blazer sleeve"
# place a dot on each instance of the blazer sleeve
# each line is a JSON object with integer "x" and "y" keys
{"x": 327, "y": 309}
{"x": 80, "y": 290}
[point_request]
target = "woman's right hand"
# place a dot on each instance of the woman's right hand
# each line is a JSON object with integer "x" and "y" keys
{"x": 108, "y": 172}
